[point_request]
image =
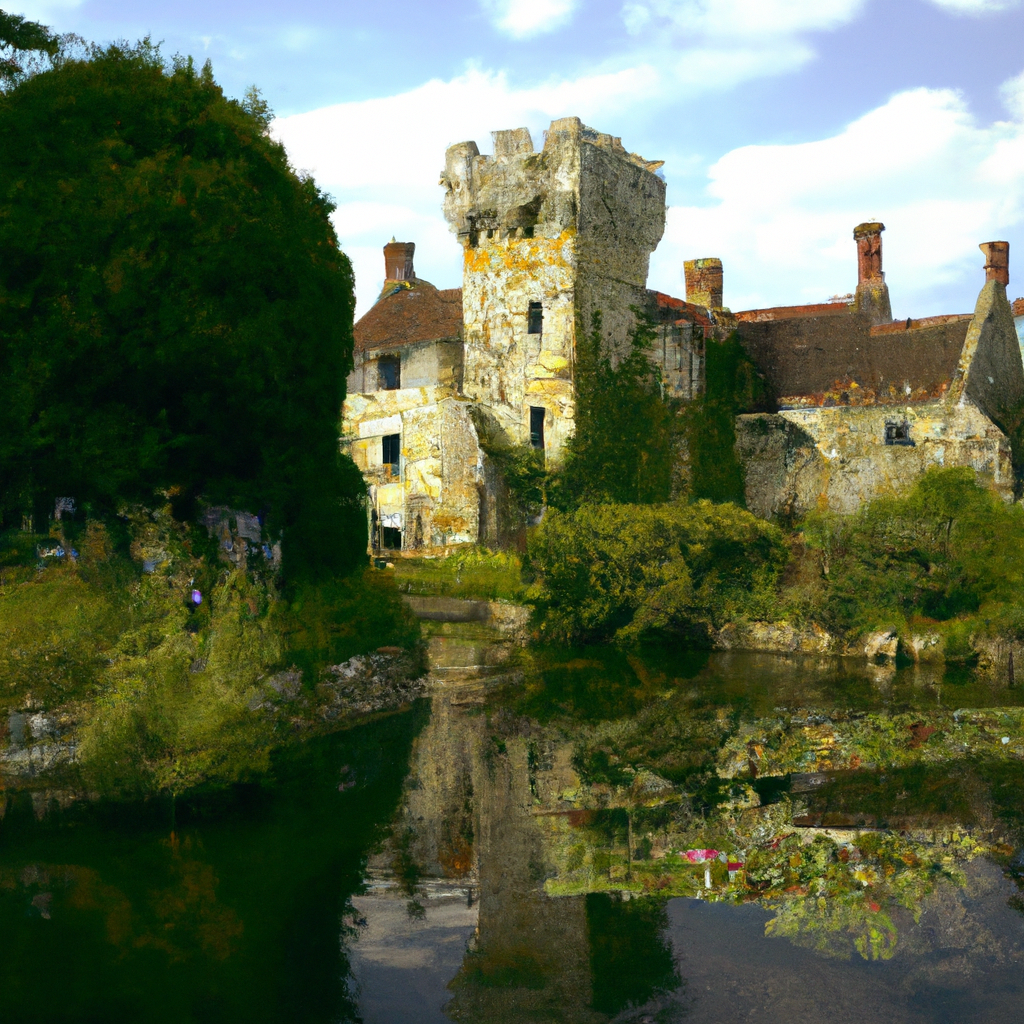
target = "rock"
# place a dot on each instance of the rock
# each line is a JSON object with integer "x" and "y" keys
{"x": 881, "y": 645}
{"x": 368, "y": 683}
{"x": 774, "y": 637}
{"x": 925, "y": 647}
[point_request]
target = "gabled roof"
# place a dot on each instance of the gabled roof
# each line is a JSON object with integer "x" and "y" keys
{"x": 408, "y": 312}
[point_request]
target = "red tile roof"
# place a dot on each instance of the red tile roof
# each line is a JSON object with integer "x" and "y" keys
{"x": 789, "y": 312}
{"x": 408, "y": 312}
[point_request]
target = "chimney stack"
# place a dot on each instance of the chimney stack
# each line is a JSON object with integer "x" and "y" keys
{"x": 704, "y": 282}
{"x": 398, "y": 261}
{"x": 872, "y": 296}
{"x": 997, "y": 261}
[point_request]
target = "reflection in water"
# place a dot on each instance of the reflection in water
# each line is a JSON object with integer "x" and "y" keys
{"x": 579, "y": 837}
{"x": 847, "y": 821}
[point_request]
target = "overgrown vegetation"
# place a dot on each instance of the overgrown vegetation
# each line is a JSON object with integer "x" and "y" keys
{"x": 625, "y": 570}
{"x": 948, "y": 554}
{"x": 624, "y": 446}
{"x": 175, "y": 313}
{"x": 162, "y": 693}
{"x": 732, "y": 386}
{"x": 466, "y": 573}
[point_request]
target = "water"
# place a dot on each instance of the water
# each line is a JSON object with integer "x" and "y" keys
{"x": 517, "y": 848}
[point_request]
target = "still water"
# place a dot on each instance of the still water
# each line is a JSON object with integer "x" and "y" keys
{"x": 572, "y": 836}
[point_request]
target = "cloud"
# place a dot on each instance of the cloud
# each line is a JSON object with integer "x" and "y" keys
{"x": 741, "y": 18}
{"x": 976, "y": 6}
{"x": 781, "y": 217}
{"x": 1012, "y": 93}
{"x": 41, "y": 10}
{"x": 522, "y": 18}
{"x": 375, "y": 150}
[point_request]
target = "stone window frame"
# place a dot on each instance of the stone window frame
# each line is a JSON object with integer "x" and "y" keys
{"x": 538, "y": 414}
{"x": 391, "y": 445}
{"x": 385, "y": 366}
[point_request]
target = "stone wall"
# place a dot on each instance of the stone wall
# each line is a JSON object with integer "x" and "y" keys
{"x": 434, "y": 498}
{"x": 423, "y": 364}
{"x": 799, "y": 460}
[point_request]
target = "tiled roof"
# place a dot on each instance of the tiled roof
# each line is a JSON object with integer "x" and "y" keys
{"x": 408, "y": 312}
{"x": 840, "y": 360}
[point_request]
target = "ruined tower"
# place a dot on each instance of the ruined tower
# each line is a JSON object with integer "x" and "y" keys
{"x": 549, "y": 238}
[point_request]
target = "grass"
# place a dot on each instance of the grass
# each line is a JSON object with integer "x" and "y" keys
{"x": 473, "y": 573}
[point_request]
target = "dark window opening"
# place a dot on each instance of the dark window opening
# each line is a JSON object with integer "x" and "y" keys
{"x": 389, "y": 373}
{"x": 898, "y": 433}
{"x": 535, "y": 319}
{"x": 537, "y": 427}
{"x": 527, "y": 232}
{"x": 391, "y": 451}
{"x": 391, "y": 538}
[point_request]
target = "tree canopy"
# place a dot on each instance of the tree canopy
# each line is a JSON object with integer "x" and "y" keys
{"x": 17, "y": 38}
{"x": 175, "y": 313}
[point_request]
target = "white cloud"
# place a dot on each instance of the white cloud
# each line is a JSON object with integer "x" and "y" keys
{"x": 976, "y": 6}
{"x": 782, "y": 216}
{"x": 372, "y": 151}
{"x": 522, "y": 18}
{"x": 732, "y": 18}
{"x": 1012, "y": 92}
{"x": 41, "y": 10}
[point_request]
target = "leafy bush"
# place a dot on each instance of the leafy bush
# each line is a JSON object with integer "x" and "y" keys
{"x": 625, "y": 570}
{"x": 947, "y": 549}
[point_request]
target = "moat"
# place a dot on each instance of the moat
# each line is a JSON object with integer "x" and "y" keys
{"x": 570, "y": 836}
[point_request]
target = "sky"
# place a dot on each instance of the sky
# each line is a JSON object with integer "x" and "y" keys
{"x": 782, "y": 123}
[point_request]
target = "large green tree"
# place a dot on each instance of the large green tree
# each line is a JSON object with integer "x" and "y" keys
{"x": 175, "y": 313}
{"x": 20, "y": 39}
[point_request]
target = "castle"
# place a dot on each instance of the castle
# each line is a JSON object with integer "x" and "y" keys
{"x": 860, "y": 405}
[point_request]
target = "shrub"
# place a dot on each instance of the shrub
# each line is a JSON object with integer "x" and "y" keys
{"x": 625, "y": 570}
{"x": 942, "y": 551}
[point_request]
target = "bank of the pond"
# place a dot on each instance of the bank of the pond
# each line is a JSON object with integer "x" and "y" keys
{"x": 157, "y": 657}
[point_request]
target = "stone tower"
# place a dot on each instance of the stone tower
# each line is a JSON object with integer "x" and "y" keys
{"x": 549, "y": 238}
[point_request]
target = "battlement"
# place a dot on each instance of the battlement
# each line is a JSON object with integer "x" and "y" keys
{"x": 519, "y": 192}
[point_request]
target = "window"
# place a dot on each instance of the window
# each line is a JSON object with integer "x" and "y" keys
{"x": 537, "y": 427}
{"x": 535, "y": 319}
{"x": 389, "y": 373}
{"x": 897, "y": 433}
{"x": 392, "y": 451}
{"x": 390, "y": 538}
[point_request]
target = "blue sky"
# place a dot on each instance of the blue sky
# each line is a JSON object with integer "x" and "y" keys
{"x": 783, "y": 123}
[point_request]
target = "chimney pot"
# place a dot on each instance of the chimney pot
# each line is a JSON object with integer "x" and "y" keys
{"x": 704, "y": 282}
{"x": 868, "y": 237}
{"x": 398, "y": 261}
{"x": 997, "y": 261}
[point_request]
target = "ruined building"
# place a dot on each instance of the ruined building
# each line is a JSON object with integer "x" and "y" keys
{"x": 860, "y": 404}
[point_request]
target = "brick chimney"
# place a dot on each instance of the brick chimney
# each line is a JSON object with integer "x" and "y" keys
{"x": 997, "y": 261}
{"x": 398, "y": 261}
{"x": 1018, "y": 307}
{"x": 872, "y": 296}
{"x": 704, "y": 282}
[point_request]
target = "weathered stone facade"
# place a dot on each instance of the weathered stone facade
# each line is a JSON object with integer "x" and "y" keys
{"x": 864, "y": 410}
{"x": 860, "y": 405}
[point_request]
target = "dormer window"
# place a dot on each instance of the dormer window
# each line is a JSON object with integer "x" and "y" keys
{"x": 897, "y": 433}
{"x": 389, "y": 373}
{"x": 535, "y": 319}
